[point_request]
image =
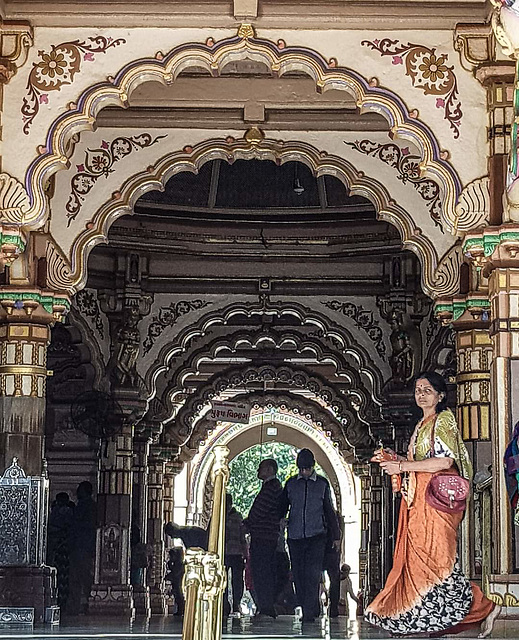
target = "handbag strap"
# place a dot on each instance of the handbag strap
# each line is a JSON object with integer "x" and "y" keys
{"x": 432, "y": 437}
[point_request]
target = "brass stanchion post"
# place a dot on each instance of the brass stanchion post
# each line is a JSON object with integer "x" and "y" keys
{"x": 205, "y": 579}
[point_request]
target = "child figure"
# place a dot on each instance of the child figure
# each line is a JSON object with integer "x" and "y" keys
{"x": 346, "y": 590}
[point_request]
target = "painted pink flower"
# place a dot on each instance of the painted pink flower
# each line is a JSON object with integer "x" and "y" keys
{"x": 377, "y": 42}
{"x": 405, "y": 151}
{"x": 440, "y": 103}
{"x": 80, "y": 167}
{"x": 397, "y": 60}
{"x": 104, "y": 144}
{"x": 89, "y": 56}
{"x": 44, "y": 98}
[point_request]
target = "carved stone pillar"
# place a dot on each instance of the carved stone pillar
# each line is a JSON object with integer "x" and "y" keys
{"x": 156, "y": 469}
{"x": 25, "y": 319}
{"x": 141, "y": 448}
{"x": 504, "y": 298}
{"x": 495, "y": 251}
{"x": 169, "y": 492}
{"x": 370, "y": 556}
{"x": 474, "y": 352}
{"x": 112, "y": 592}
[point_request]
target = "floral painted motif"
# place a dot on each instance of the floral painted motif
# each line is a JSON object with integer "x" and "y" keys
{"x": 99, "y": 162}
{"x": 168, "y": 317}
{"x": 363, "y": 318}
{"x": 408, "y": 167}
{"x": 58, "y": 68}
{"x": 429, "y": 72}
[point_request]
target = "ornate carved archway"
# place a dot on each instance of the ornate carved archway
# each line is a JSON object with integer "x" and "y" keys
{"x": 184, "y": 429}
{"x": 439, "y": 274}
{"x": 213, "y": 56}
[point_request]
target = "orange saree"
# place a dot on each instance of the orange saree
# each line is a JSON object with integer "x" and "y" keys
{"x": 426, "y": 591}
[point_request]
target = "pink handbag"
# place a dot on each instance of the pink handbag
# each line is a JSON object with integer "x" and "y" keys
{"x": 447, "y": 492}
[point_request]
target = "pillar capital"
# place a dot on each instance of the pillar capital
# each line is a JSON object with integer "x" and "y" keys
{"x": 475, "y": 44}
{"x": 464, "y": 312}
{"x": 16, "y": 38}
{"x": 493, "y": 247}
{"x": 32, "y": 305}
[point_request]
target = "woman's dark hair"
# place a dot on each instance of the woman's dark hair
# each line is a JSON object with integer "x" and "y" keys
{"x": 438, "y": 383}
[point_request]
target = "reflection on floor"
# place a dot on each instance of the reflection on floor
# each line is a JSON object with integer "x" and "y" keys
{"x": 247, "y": 628}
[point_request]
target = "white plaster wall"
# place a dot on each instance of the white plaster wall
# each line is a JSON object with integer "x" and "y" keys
{"x": 20, "y": 149}
{"x": 65, "y": 231}
{"x": 469, "y": 151}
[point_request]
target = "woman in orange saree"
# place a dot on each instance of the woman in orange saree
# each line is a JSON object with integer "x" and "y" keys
{"x": 426, "y": 591}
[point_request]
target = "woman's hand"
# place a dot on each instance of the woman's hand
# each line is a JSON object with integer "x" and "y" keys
{"x": 391, "y": 467}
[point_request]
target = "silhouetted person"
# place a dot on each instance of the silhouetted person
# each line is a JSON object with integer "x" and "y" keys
{"x": 82, "y": 549}
{"x": 235, "y": 552}
{"x": 332, "y": 566}
{"x": 139, "y": 556}
{"x": 284, "y": 593}
{"x": 190, "y": 536}
{"x": 346, "y": 590}
{"x": 176, "y": 568}
{"x": 58, "y": 542}
{"x": 307, "y": 497}
{"x": 263, "y": 526}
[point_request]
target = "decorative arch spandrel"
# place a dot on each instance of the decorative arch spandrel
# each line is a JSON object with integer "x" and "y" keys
{"x": 214, "y": 56}
{"x": 422, "y": 236}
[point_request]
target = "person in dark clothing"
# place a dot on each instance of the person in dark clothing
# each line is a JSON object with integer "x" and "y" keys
{"x": 82, "y": 549}
{"x": 307, "y": 497}
{"x": 235, "y": 551}
{"x": 263, "y": 525}
{"x": 174, "y": 576}
{"x": 58, "y": 542}
{"x": 190, "y": 536}
{"x": 332, "y": 566}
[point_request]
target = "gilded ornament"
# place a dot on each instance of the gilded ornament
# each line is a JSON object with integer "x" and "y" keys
{"x": 246, "y": 31}
{"x": 57, "y": 68}
{"x": 14, "y": 199}
{"x": 254, "y": 136}
{"x": 510, "y": 600}
{"x": 386, "y": 102}
{"x": 429, "y": 72}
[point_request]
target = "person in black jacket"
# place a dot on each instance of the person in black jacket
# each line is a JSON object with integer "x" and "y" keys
{"x": 263, "y": 525}
{"x": 311, "y": 518}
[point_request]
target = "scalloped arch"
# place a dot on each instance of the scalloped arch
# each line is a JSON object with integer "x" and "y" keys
{"x": 307, "y": 409}
{"x": 338, "y": 336}
{"x": 174, "y": 380}
{"x": 280, "y": 59}
{"x": 305, "y": 424}
{"x": 338, "y": 405}
{"x": 192, "y": 158}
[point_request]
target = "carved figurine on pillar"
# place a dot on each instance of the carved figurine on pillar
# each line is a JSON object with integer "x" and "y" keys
{"x": 123, "y": 365}
{"x": 402, "y": 360}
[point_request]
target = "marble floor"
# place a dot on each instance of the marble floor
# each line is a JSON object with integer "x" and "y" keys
{"x": 245, "y": 627}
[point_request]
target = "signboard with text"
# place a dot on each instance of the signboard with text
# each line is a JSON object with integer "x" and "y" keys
{"x": 229, "y": 412}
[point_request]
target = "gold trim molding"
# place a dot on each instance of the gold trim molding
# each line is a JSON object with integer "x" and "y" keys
{"x": 213, "y": 56}
{"x": 437, "y": 280}
{"x": 16, "y": 38}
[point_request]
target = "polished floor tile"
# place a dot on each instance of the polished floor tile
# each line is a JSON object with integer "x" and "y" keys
{"x": 246, "y": 628}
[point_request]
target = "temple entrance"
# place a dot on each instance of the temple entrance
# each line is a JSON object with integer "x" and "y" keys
{"x": 290, "y": 295}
